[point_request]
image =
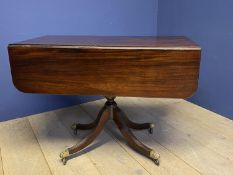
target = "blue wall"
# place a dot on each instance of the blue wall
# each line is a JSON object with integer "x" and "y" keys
{"x": 209, "y": 23}
{"x": 24, "y": 19}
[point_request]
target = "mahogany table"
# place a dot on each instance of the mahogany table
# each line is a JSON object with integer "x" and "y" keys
{"x": 110, "y": 66}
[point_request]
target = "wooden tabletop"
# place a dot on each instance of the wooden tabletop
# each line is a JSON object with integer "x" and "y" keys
{"x": 140, "y": 66}
{"x": 130, "y": 42}
{"x": 190, "y": 139}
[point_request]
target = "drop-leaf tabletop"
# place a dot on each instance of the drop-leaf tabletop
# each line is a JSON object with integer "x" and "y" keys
{"x": 141, "y": 66}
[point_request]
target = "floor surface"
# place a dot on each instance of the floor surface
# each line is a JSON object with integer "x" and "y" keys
{"x": 190, "y": 140}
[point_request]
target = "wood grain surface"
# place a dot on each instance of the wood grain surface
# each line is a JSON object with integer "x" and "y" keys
{"x": 119, "y": 66}
{"x": 150, "y": 42}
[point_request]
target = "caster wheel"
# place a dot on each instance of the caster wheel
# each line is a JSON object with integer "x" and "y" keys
{"x": 156, "y": 162}
{"x": 63, "y": 155}
{"x": 150, "y": 130}
{"x": 155, "y": 157}
{"x": 75, "y": 132}
{"x": 74, "y": 128}
{"x": 64, "y": 161}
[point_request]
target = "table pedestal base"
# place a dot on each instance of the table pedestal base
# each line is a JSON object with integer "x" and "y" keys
{"x": 123, "y": 124}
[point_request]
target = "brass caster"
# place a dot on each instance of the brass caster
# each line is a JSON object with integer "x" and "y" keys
{"x": 74, "y": 128}
{"x": 150, "y": 130}
{"x": 155, "y": 157}
{"x": 64, "y": 155}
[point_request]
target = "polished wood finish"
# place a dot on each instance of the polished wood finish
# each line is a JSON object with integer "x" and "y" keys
{"x": 123, "y": 124}
{"x": 134, "y": 125}
{"x": 81, "y": 126}
{"x": 151, "y": 42}
{"x": 92, "y": 136}
{"x": 114, "y": 66}
{"x": 130, "y": 138}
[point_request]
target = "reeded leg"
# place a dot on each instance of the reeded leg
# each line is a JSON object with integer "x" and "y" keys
{"x": 136, "y": 126}
{"x": 89, "y": 139}
{"x": 79, "y": 126}
{"x": 133, "y": 142}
